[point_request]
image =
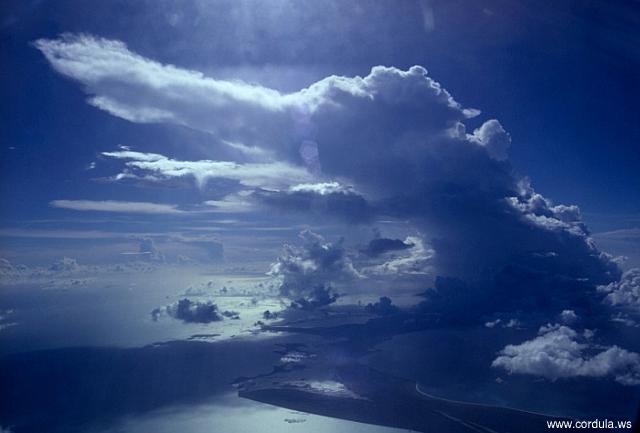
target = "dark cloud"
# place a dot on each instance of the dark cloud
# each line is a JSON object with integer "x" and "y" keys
{"x": 231, "y": 314}
{"x": 383, "y": 307}
{"x": 191, "y": 311}
{"x": 413, "y": 262}
{"x": 345, "y": 205}
{"x": 380, "y": 246}
{"x": 268, "y": 315}
{"x": 318, "y": 296}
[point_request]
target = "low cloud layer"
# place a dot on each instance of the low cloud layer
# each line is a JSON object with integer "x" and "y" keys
{"x": 559, "y": 352}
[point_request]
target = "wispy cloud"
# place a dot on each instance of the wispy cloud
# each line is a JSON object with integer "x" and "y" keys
{"x": 117, "y": 206}
{"x": 622, "y": 234}
{"x": 233, "y": 203}
{"x": 156, "y": 167}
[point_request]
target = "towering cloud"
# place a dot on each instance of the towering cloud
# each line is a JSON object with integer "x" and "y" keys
{"x": 398, "y": 137}
{"x": 307, "y": 273}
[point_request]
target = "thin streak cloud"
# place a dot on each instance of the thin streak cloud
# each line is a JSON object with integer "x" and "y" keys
{"x": 117, "y": 206}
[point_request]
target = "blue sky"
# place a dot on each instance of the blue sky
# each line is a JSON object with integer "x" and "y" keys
{"x": 559, "y": 78}
{"x": 316, "y": 155}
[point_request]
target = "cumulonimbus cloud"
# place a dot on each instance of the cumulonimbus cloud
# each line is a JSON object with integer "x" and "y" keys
{"x": 397, "y": 136}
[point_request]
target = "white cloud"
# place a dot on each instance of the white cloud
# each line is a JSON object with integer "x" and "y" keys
{"x": 252, "y": 151}
{"x": 97, "y": 62}
{"x": 322, "y": 188}
{"x": 568, "y": 316}
{"x": 157, "y": 167}
{"x": 511, "y": 323}
{"x": 492, "y": 323}
{"x": 233, "y": 203}
{"x": 560, "y": 352}
{"x": 117, "y": 206}
{"x": 138, "y": 115}
{"x": 492, "y": 136}
{"x": 624, "y": 293}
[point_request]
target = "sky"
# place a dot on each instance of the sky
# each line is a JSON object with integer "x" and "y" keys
{"x": 314, "y": 155}
{"x": 560, "y": 79}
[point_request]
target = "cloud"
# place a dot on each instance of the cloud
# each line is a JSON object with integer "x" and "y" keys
{"x": 156, "y": 167}
{"x": 396, "y": 136}
{"x": 380, "y": 246}
{"x": 8, "y": 270}
{"x": 560, "y": 352}
{"x": 251, "y": 151}
{"x": 511, "y": 323}
{"x": 412, "y": 258}
{"x": 323, "y": 188}
{"x": 213, "y": 248}
{"x": 6, "y": 320}
{"x": 192, "y": 312}
{"x": 307, "y": 273}
{"x": 623, "y": 234}
{"x": 315, "y": 297}
{"x": 67, "y": 272}
{"x": 66, "y": 265}
{"x": 492, "y": 136}
{"x": 147, "y": 247}
{"x": 383, "y": 307}
{"x": 240, "y": 202}
{"x": 319, "y": 200}
{"x": 141, "y": 90}
{"x": 568, "y": 317}
{"x": 117, "y": 206}
{"x": 624, "y": 293}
